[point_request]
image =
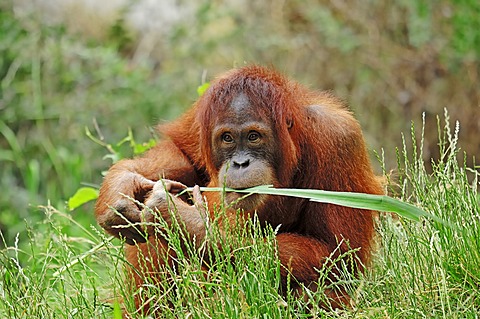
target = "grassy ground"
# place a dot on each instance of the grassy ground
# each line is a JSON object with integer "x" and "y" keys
{"x": 421, "y": 269}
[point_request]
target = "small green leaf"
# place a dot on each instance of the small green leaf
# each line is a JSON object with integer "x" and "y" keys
{"x": 117, "y": 310}
{"x": 202, "y": 88}
{"x": 142, "y": 148}
{"x": 114, "y": 157}
{"x": 82, "y": 196}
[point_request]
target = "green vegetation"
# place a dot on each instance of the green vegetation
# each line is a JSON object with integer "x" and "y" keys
{"x": 422, "y": 268}
{"x": 391, "y": 62}
{"x": 357, "y": 200}
{"x": 52, "y": 87}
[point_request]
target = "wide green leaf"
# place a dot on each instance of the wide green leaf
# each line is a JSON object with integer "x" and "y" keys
{"x": 82, "y": 196}
{"x": 349, "y": 199}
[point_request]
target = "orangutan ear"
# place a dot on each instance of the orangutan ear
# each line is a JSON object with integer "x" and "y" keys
{"x": 289, "y": 122}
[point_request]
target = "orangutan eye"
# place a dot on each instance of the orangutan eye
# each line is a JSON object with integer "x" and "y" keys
{"x": 227, "y": 138}
{"x": 253, "y": 136}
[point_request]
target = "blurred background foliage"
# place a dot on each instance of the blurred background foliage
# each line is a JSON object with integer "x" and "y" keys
{"x": 110, "y": 66}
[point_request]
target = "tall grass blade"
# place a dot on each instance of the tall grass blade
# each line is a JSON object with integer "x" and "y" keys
{"x": 349, "y": 199}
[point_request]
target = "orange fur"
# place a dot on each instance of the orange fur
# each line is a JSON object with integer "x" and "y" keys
{"x": 321, "y": 147}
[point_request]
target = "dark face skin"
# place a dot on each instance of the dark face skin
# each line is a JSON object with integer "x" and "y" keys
{"x": 244, "y": 149}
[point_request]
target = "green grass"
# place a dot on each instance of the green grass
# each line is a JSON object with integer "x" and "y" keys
{"x": 437, "y": 264}
{"x": 422, "y": 269}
